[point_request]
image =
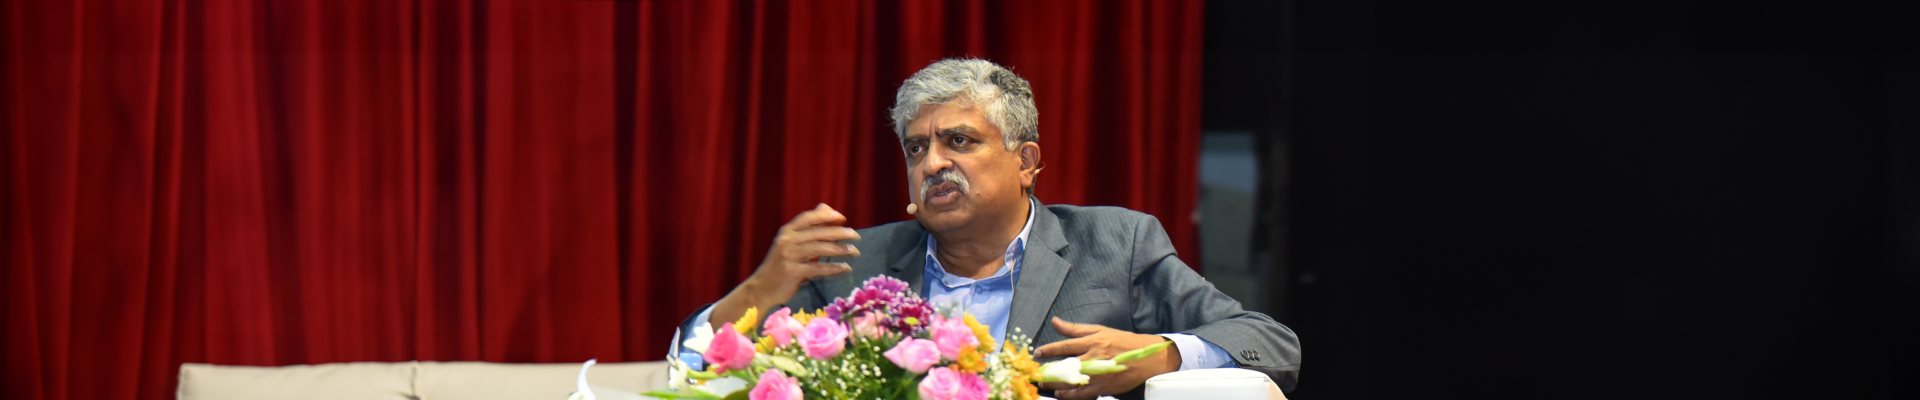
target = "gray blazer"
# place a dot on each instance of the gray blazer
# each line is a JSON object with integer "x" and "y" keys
{"x": 1101, "y": 265}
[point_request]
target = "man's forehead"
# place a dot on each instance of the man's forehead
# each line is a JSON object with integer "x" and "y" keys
{"x": 948, "y": 120}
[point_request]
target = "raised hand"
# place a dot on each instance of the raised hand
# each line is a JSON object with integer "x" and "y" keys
{"x": 1089, "y": 341}
{"x": 793, "y": 258}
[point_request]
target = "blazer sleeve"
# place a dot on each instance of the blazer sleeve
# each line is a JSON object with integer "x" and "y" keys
{"x": 1176, "y": 299}
{"x": 807, "y": 299}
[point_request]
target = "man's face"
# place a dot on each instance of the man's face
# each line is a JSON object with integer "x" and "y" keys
{"x": 959, "y": 170}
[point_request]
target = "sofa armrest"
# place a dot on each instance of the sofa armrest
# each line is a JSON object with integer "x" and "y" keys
{"x": 367, "y": 380}
{"x": 482, "y": 380}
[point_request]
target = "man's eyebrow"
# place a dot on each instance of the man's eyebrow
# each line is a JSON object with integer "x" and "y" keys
{"x": 956, "y": 130}
{"x": 962, "y": 129}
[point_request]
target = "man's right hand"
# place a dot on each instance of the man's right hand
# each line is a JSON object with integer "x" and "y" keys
{"x": 793, "y": 259}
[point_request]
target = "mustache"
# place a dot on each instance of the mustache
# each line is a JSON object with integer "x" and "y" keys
{"x": 943, "y": 177}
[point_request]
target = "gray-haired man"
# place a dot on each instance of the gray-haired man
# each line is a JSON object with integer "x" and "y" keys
{"x": 969, "y": 132}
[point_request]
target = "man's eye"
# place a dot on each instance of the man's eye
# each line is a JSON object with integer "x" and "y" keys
{"x": 956, "y": 140}
{"x": 913, "y": 149}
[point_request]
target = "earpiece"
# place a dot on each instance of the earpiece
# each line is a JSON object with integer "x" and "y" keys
{"x": 912, "y": 208}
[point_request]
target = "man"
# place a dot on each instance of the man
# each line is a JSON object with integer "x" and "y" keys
{"x": 1081, "y": 281}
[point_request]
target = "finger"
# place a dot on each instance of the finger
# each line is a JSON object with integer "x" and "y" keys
{"x": 819, "y": 215}
{"x": 1072, "y": 329}
{"x": 822, "y": 234}
{"x": 1057, "y": 386}
{"x": 1079, "y": 393}
{"x": 809, "y": 251}
{"x": 1066, "y": 348}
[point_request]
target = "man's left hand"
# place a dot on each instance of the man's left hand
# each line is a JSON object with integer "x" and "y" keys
{"x": 1089, "y": 341}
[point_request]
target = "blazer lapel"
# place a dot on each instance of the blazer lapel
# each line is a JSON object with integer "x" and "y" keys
{"x": 911, "y": 265}
{"x": 1042, "y": 272}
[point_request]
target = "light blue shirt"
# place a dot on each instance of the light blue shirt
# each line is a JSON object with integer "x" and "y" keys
{"x": 990, "y": 300}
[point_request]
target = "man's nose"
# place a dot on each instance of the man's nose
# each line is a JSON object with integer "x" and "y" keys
{"x": 935, "y": 162}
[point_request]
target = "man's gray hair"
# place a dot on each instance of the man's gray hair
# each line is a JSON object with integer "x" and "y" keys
{"x": 1004, "y": 98}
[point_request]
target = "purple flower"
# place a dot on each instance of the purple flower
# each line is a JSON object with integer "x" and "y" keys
{"x": 911, "y": 318}
{"x": 886, "y": 284}
{"x": 897, "y": 308}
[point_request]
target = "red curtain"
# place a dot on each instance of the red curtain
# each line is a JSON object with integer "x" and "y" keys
{"x": 275, "y": 182}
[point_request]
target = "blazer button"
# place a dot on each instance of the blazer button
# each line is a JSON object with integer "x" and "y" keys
{"x": 1250, "y": 355}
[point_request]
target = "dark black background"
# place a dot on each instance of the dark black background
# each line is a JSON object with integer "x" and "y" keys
{"x": 1584, "y": 200}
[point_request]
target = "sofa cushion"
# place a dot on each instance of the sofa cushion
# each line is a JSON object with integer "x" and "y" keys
{"x": 481, "y": 380}
{"x": 1213, "y": 383}
{"x": 366, "y": 380}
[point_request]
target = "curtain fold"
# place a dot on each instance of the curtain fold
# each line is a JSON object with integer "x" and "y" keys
{"x": 272, "y": 183}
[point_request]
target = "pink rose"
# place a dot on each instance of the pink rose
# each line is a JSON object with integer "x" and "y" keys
{"x": 914, "y": 355}
{"x": 775, "y": 386}
{"x": 952, "y": 335}
{"x": 868, "y": 326}
{"x": 781, "y": 327}
{"x": 823, "y": 338}
{"x": 730, "y": 350}
{"x": 944, "y": 383}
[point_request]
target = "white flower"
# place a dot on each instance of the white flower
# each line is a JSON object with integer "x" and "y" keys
{"x": 1066, "y": 370}
{"x": 702, "y": 335}
{"x": 676, "y": 374}
{"x": 584, "y": 392}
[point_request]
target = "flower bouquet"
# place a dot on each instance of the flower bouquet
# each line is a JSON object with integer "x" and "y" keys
{"x": 880, "y": 342}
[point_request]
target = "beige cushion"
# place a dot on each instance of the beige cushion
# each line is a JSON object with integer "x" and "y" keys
{"x": 1213, "y": 383}
{"x": 603, "y": 393}
{"x": 372, "y": 381}
{"x": 481, "y": 380}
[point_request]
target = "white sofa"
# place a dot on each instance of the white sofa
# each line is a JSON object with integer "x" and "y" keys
{"x": 414, "y": 380}
{"x": 428, "y": 380}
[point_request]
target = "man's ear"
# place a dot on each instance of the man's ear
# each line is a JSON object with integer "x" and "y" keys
{"x": 1029, "y": 164}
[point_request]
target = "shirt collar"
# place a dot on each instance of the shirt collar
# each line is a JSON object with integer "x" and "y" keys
{"x": 1015, "y": 251}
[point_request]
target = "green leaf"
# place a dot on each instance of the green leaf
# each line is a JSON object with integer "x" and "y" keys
{"x": 1101, "y": 367}
{"x": 1142, "y": 352}
{"x": 789, "y": 365}
{"x": 683, "y": 393}
{"x": 738, "y": 395}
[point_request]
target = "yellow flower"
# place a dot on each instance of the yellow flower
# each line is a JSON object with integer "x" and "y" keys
{"x": 747, "y": 322}
{"x": 1022, "y": 361}
{"x": 805, "y": 317}
{"x": 764, "y": 345}
{"x": 971, "y": 361}
{"x": 1025, "y": 371}
{"x": 980, "y": 332}
{"x": 1023, "y": 390}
